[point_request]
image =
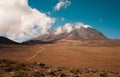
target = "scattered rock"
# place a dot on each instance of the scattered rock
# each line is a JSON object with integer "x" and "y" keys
{"x": 17, "y": 69}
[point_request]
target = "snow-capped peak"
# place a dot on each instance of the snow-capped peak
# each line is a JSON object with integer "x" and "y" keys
{"x": 87, "y": 26}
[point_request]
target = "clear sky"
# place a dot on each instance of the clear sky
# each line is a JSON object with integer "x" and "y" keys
{"x": 104, "y": 15}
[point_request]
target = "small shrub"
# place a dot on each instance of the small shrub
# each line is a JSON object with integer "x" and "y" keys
{"x": 63, "y": 75}
{"x": 103, "y": 75}
{"x": 52, "y": 73}
{"x": 21, "y": 74}
{"x": 8, "y": 69}
{"x": 75, "y": 71}
{"x": 38, "y": 74}
{"x": 42, "y": 65}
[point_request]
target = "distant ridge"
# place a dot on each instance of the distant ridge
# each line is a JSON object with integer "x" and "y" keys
{"x": 86, "y": 34}
{"x": 4, "y": 40}
{"x": 80, "y": 33}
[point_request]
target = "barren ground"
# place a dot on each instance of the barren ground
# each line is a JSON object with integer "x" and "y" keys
{"x": 102, "y": 55}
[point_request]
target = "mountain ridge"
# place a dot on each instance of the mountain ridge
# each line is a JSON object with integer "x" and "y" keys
{"x": 76, "y": 33}
{"x": 4, "y": 40}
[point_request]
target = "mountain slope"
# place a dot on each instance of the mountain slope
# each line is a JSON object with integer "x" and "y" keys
{"x": 4, "y": 40}
{"x": 85, "y": 33}
{"x": 77, "y": 33}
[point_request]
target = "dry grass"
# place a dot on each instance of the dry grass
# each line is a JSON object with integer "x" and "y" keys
{"x": 102, "y": 57}
{"x": 35, "y": 69}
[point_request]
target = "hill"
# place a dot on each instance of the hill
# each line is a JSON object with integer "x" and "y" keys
{"x": 4, "y": 40}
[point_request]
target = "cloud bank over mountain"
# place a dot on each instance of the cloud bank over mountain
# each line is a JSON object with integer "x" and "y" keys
{"x": 68, "y": 27}
{"x": 19, "y": 21}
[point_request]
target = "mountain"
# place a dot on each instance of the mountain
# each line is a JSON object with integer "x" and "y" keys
{"x": 4, "y": 40}
{"x": 77, "y": 32}
{"x": 45, "y": 39}
{"x": 87, "y": 33}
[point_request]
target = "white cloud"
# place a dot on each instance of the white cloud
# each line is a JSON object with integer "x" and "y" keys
{"x": 68, "y": 27}
{"x": 78, "y": 25}
{"x": 59, "y": 30}
{"x": 17, "y": 20}
{"x": 62, "y": 4}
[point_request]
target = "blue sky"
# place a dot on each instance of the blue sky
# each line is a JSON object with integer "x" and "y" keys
{"x": 104, "y": 15}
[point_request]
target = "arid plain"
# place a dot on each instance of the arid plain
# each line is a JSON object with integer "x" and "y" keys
{"x": 91, "y": 54}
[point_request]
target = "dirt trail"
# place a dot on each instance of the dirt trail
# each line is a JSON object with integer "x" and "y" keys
{"x": 40, "y": 49}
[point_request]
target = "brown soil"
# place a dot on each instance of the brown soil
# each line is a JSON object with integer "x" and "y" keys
{"x": 102, "y": 55}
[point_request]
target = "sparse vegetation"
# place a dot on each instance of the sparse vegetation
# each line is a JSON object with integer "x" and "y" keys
{"x": 16, "y": 69}
{"x": 42, "y": 65}
{"x": 97, "y": 55}
{"x": 8, "y": 65}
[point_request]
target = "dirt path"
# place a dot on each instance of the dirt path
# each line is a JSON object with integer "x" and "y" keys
{"x": 40, "y": 49}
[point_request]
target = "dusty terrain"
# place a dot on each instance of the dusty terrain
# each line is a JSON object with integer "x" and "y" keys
{"x": 99, "y": 55}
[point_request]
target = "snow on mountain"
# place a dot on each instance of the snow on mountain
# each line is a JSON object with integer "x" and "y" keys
{"x": 78, "y": 31}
